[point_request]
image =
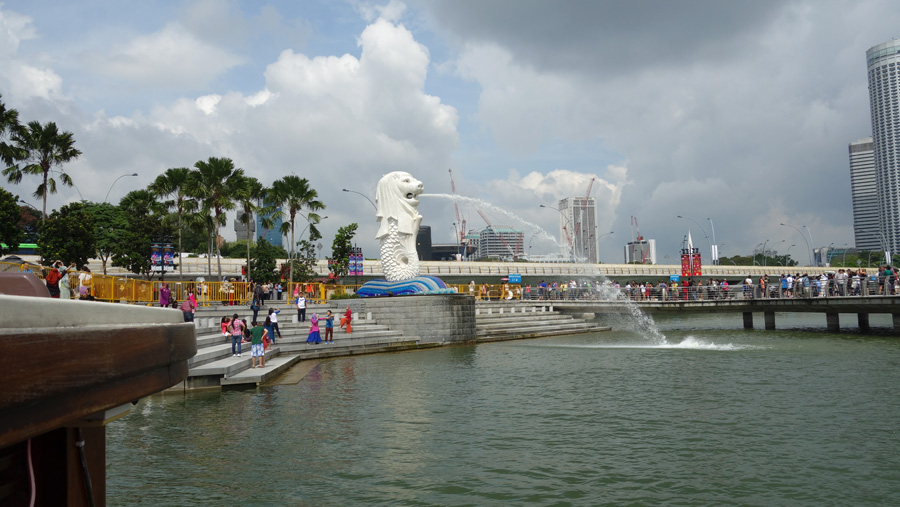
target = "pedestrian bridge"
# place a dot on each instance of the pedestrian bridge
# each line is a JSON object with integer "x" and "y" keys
{"x": 831, "y": 307}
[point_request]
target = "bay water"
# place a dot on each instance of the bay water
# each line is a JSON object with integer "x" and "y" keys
{"x": 715, "y": 415}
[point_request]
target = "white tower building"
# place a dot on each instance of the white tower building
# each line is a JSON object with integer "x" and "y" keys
{"x": 578, "y": 217}
{"x": 884, "y": 94}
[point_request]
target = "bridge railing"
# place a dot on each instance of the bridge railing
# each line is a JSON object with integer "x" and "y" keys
{"x": 809, "y": 288}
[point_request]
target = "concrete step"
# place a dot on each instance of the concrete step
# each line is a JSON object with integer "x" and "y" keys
{"x": 500, "y": 324}
{"x": 275, "y": 366}
{"x": 228, "y": 365}
{"x": 482, "y": 331}
{"x": 513, "y": 317}
{"x": 540, "y": 333}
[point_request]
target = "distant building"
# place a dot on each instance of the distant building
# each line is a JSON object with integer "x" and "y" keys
{"x": 500, "y": 242}
{"x": 864, "y": 191}
{"x": 244, "y": 231}
{"x": 643, "y": 251}
{"x": 272, "y": 235}
{"x": 883, "y": 63}
{"x": 578, "y": 229}
{"x": 423, "y": 242}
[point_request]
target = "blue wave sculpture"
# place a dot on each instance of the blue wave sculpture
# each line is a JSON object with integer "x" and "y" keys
{"x": 417, "y": 285}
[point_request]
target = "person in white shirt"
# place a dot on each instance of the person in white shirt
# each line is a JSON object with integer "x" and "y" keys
{"x": 301, "y": 308}
{"x": 273, "y": 318}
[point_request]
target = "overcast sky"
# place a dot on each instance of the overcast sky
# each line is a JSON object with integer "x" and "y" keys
{"x": 738, "y": 112}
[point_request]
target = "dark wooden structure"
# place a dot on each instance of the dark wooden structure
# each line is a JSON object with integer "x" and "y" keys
{"x": 67, "y": 369}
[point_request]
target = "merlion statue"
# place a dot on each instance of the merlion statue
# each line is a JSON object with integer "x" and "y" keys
{"x": 398, "y": 215}
{"x": 397, "y": 212}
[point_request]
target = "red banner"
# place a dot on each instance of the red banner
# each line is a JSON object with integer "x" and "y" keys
{"x": 697, "y": 270}
{"x": 685, "y": 265}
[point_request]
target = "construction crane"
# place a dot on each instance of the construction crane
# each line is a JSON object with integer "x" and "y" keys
{"x": 638, "y": 239}
{"x": 485, "y": 218}
{"x": 460, "y": 221}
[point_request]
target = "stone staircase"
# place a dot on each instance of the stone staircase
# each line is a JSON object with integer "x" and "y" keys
{"x": 214, "y": 367}
{"x": 519, "y": 320}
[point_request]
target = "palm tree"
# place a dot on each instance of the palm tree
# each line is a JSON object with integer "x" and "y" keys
{"x": 40, "y": 148}
{"x": 292, "y": 193}
{"x": 202, "y": 221}
{"x": 213, "y": 183}
{"x": 9, "y": 121}
{"x": 173, "y": 183}
{"x": 249, "y": 193}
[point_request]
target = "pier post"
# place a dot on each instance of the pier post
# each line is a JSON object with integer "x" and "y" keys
{"x": 863, "y": 319}
{"x": 896, "y": 319}
{"x": 748, "y": 320}
{"x": 834, "y": 322}
{"x": 770, "y": 320}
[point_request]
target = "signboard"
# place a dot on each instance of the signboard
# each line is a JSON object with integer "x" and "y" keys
{"x": 515, "y": 279}
{"x": 156, "y": 257}
{"x": 697, "y": 270}
{"x": 690, "y": 263}
{"x": 674, "y": 278}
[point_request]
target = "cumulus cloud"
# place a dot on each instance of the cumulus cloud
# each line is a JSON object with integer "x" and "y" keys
{"x": 172, "y": 57}
{"x": 22, "y": 80}
{"x": 723, "y": 120}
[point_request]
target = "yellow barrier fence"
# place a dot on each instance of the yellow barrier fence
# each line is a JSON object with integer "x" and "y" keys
{"x": 138, "y": 291}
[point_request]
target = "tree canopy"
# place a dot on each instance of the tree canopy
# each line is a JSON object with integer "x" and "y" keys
{"x": 341, "y": 249}
{"x": 10, "y": 215}
{"x": 68, "y": 235}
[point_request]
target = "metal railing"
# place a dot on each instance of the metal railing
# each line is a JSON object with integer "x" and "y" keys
{"x": 137, "y": 291}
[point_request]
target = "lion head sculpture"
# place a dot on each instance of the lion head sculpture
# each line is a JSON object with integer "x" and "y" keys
{"x": 396, "y": 198}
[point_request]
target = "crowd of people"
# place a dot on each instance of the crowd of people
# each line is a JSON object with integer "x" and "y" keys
{"x": 843, "y": 282}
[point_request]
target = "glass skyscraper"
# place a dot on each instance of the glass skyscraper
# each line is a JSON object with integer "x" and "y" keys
{"x": 884, "y": 94}
{"x": 864, "y": 191}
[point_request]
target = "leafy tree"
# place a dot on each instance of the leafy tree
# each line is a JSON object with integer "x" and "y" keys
{"x": 68, "y": 235}
{"x": 40, "y": 148}
{"x": 29, "y": 222}
{"x": 174, "y": 183}
{"x": 341, "y": 248}
{"x": 263, "y": 266}
{"x": 10, "y": 215}
{"x": 110, "y": 229}
{"x": 292, "y": 194}
{"x": 213, "y": 183}
{"x": 144, "y": 224}
{"x": 305, "y": 263}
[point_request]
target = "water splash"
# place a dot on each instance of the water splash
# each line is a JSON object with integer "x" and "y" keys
{"x": 535, "y": 230}
{"x": 688, "y": 343}
{"x": 643, "y": 324}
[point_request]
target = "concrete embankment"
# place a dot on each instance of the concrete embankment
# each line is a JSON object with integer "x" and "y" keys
{"x": 375, "y": 329}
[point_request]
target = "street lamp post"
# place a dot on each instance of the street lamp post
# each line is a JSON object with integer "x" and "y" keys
{"x": 714, "y": 242}
{"x": 364, "y": 195}
{"x": 704, "y": 234}
{"x": 787, "y": 253}
{"x": 808, "y": 247}
{"x": 105, "y": 199}
{"x": 571, "y": 248}
{"x": 844, "y": 258}
{"x": 598, "y": 242}
{"x": 456, "y": 238}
